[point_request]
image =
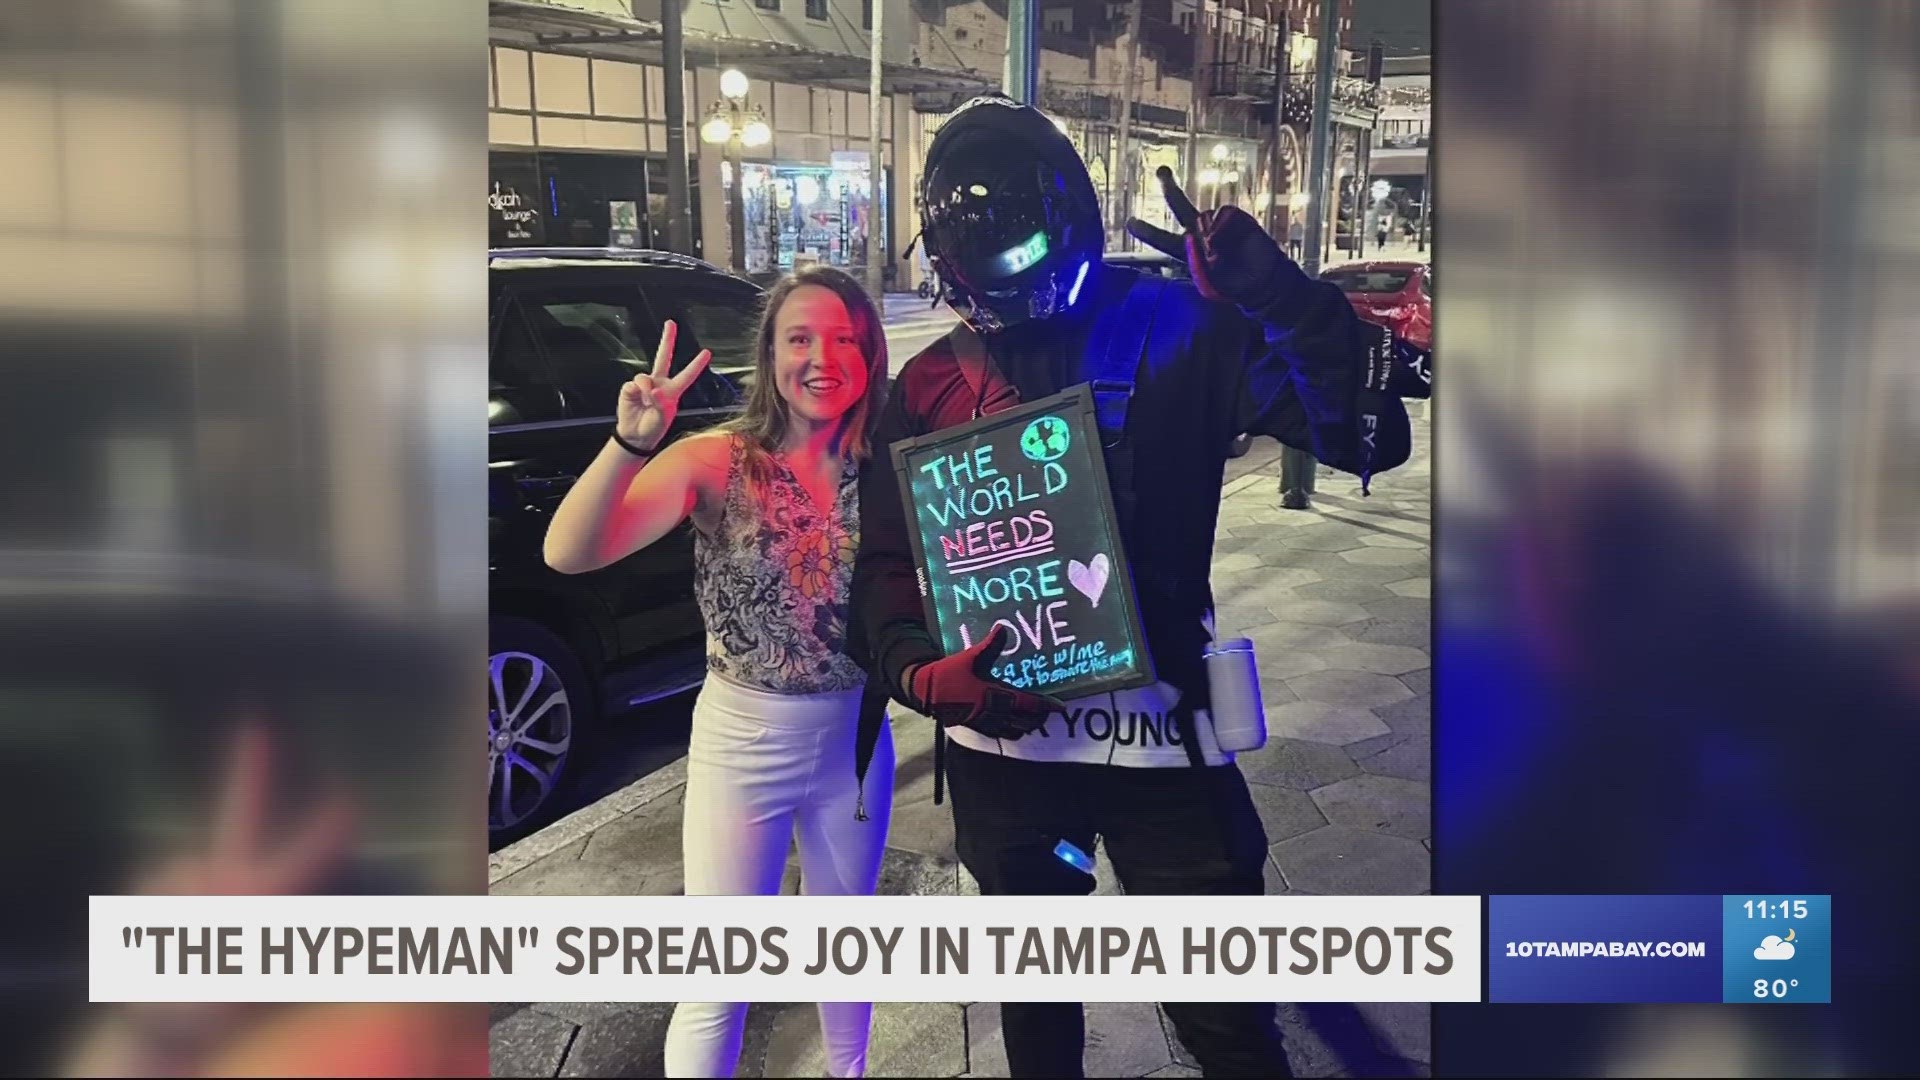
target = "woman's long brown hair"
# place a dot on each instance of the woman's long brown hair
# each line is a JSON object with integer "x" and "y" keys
{"x": 763, "y": 422}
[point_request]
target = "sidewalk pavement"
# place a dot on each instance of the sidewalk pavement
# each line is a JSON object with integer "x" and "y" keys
{"x": 898, "y": 308}
{"x": 1396, "y": 251}
{"x": 1336, "y": 600}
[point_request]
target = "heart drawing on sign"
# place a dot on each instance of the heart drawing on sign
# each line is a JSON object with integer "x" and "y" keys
{"x": 1089, "y": 577}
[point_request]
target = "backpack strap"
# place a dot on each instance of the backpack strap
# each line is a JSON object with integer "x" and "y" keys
{"x": 1117, "y": 351}
{"x": 1123, "y": 346}
{"x": 970, "y": 353}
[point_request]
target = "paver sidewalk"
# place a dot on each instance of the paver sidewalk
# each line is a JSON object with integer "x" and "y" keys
{"x": 1336, "y": 600}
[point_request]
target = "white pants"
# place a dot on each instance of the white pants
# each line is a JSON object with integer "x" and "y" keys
{"x": 765, "y": 770}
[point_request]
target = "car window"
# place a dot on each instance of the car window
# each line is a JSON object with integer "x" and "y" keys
{"x": 1426, "y": 284}
{"x": 598, "y": 338}
{"x": 1368, "y": 281}
{"x": 720, "y": 314}
{"x": 521, "y": 386}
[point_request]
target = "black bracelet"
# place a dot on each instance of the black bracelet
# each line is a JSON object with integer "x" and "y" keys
{"x": 629, "y": 447}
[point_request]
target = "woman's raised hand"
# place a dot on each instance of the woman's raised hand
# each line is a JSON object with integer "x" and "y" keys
{"x": 648, "y": 404}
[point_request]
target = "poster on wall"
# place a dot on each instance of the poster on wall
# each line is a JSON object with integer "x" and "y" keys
{"x": 623, "y": 223}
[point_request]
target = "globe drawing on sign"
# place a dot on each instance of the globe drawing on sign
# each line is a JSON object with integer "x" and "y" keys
{"x": 1045, "y": 439}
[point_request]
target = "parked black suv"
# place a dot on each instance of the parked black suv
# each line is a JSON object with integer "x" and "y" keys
{"x": 568, "y": 327}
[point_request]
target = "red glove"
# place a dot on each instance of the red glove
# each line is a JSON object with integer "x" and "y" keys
{"x": 958, "y": 689}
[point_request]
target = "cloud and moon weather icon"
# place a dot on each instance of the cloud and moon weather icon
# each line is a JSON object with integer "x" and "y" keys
{"x": 1775, "y": 947}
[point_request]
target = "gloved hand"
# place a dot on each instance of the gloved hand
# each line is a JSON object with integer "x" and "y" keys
{"x": 957, "y": 689}
{"x": 1229, "y": 255}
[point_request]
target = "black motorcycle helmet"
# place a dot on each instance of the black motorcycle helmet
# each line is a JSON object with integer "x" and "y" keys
{"x": 1008, "y": 214}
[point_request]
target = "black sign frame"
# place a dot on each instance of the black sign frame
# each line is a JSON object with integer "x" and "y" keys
{"x": 1075, "y": 406}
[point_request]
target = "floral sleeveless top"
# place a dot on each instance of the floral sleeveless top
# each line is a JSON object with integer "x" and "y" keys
{"x": 774, "y": 582}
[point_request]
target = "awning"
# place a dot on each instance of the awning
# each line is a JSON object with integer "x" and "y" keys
{"x": 1397, "y": 162}
{"x": 529, "y": 24}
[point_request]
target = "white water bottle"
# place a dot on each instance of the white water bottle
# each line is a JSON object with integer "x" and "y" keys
{"x": 1233, "y": 677}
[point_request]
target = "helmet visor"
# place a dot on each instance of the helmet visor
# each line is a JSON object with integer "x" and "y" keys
{"x": 991, "y": 245}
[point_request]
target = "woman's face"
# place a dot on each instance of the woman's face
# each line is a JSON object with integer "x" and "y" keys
{"x": 817, "y": 363}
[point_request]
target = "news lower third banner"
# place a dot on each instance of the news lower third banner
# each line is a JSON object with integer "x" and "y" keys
{"x": 1752, "y": 948}
{"x": 785, "y": 948}
{"x": 1772, "y": 949}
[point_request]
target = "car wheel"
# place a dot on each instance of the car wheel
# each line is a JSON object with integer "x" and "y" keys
{"x": 537, "y": 704}
{"x": 1241, "y": 444}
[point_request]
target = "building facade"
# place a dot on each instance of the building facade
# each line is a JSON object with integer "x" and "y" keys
{"x": 1401, "y": 145}
{"x": 577, "y": 128}
{"x": 577, "y": 116}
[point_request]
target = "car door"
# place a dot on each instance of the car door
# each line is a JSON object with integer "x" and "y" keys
{"x": 532, "y": 460}
{"x": 597, "y": 333}
{"x": 710, "y": 311}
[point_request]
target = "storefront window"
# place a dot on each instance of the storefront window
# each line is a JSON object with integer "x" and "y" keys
{"x": 514, "y": 216}
{"x": 1149, "y": 204}
{"x": 580, "y": 200}
{"x": 798, "y": 215}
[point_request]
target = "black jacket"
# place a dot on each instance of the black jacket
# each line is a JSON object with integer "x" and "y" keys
{"x": 1295, "y": 367}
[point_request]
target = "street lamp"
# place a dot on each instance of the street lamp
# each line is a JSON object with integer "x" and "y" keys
{"x": 733, "y": 123}
{"x": 1224, "y": 171}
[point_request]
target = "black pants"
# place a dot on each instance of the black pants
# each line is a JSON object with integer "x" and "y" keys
{"x": 1171, "y": 832}
{"x": 1298, "y": 469}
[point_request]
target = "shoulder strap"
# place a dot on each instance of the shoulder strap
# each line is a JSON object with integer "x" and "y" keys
{"x": 1113, "y": 367}
{"x": 1117, "y": 352}
{"x": 970, "y": 353}
{"x": 737, "y": 479}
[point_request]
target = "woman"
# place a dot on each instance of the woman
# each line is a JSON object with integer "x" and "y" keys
{"x": 774, "y": 500}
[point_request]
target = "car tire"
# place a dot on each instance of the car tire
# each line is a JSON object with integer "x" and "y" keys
{"x": 539, "y": 704}
{"x": 1241, "y": 444}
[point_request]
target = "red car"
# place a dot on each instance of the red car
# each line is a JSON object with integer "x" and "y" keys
{"x": 1396, "y": 295}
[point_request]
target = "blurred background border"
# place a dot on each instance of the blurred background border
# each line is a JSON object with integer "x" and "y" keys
{"x": 1677, "y": 511}
{"x": 242, "y": 319}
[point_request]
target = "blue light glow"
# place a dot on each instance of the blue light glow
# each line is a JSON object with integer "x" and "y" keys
{"x": 1073, "y": 294}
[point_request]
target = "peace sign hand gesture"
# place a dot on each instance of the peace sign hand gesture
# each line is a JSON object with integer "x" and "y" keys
{"x": 1230, "y": 256}
{"x": 649, "y": 403}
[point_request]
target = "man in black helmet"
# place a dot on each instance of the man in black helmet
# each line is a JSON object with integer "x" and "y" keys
{"x": 1178, "y": 369}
